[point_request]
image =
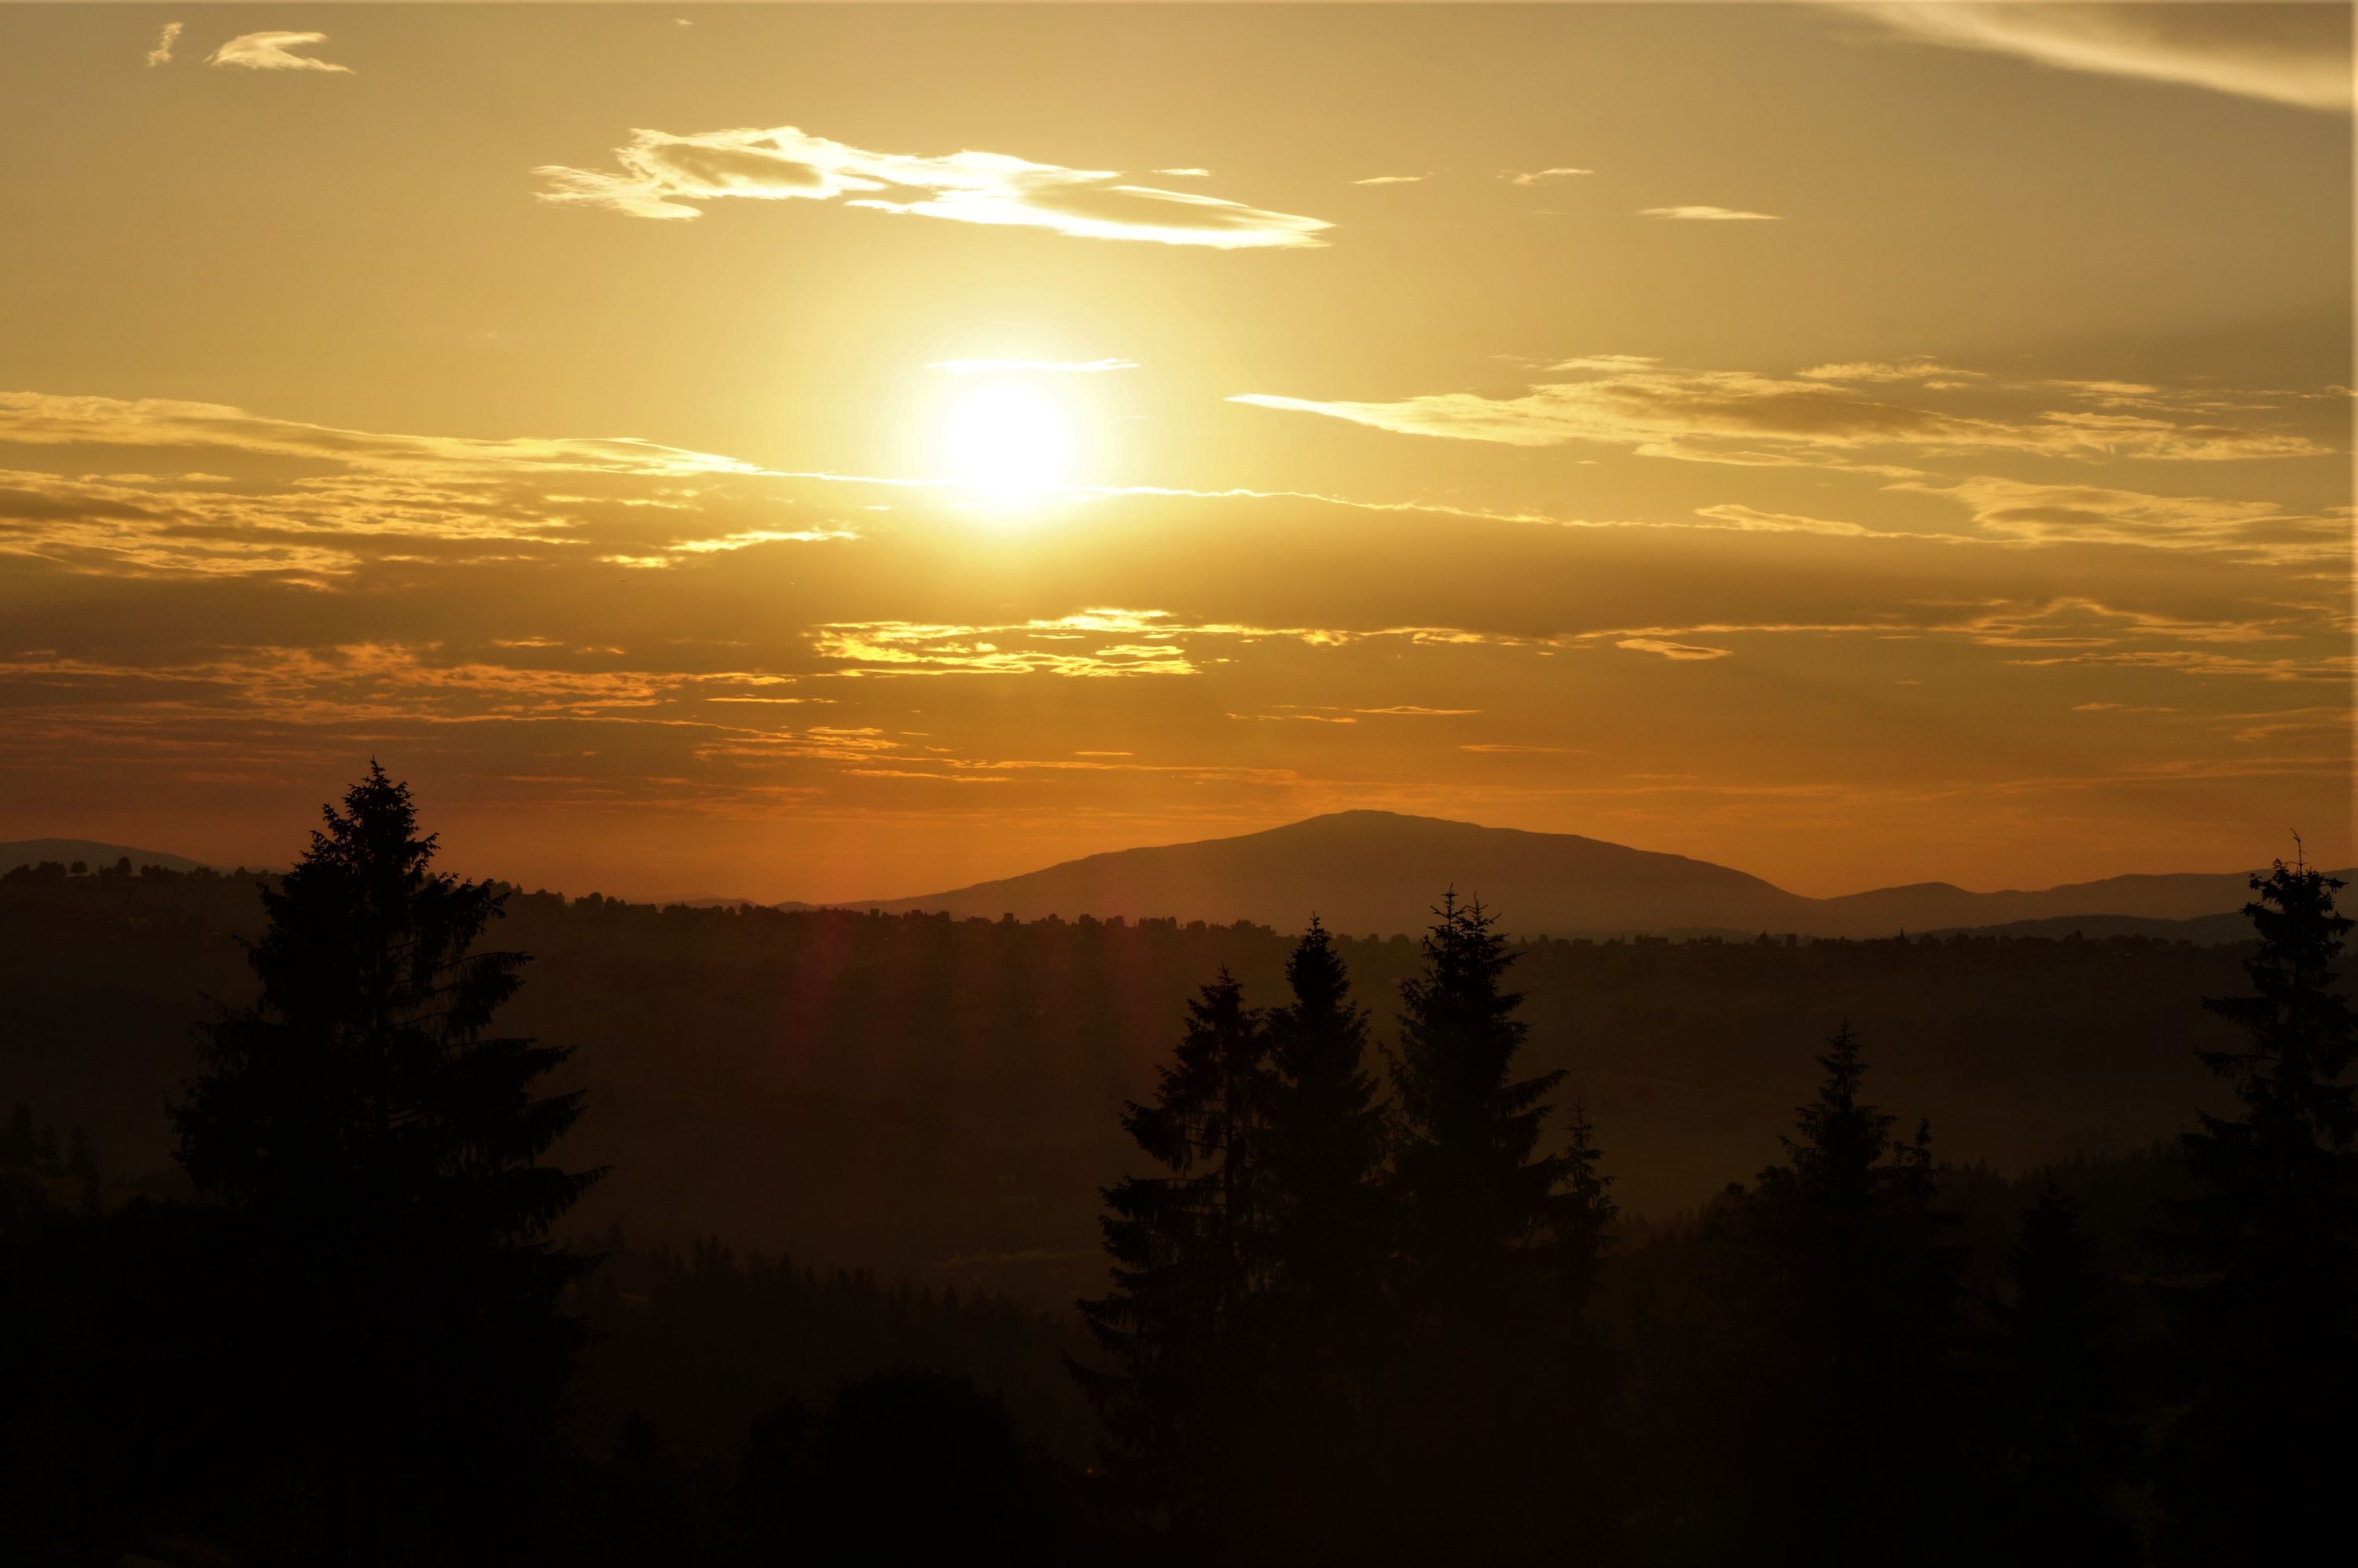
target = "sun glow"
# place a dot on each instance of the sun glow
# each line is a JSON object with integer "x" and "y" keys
{"x": 1008, "y": 444}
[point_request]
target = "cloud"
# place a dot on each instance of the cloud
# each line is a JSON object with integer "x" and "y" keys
{"x": 1873, "y": 371}
{"x": 2070, "y": 514}
{"x": 1710, "y": 214}
{"x": 1391, "y": 180}
{"x": 663, "y": 176}
{"x": 1066, "y": 367}
{"x": 1540, "y": 175}
{"x": 1669, "y": 650}
{"x": 1736, "y": 417}
{"x": 162, "y": 53}
{"x": 315, "y": 504}
{"x": 2292, "y": 54}
{"x": 1410, "y": 710}
{"x": 1749, "y": 520}
{"x": 1184, "y": 173}
{"x": 32, "y": 419}
{"x": 1131, "y": 643}
{"x": 271, "y": 52}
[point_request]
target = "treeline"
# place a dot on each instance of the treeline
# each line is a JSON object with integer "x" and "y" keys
{"x": 939, "y": 1099}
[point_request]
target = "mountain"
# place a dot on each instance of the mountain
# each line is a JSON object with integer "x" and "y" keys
{"x": 1379, "y": 872}
{"x": 32, "y": 851}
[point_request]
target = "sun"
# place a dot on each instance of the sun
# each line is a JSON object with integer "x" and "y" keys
{"x": 1008, "y": 444}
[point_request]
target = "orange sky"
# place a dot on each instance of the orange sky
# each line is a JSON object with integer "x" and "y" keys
{"x": 852, "y": 452}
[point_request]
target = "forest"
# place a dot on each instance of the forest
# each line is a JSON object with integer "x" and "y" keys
{"x": 363, "y": 1215}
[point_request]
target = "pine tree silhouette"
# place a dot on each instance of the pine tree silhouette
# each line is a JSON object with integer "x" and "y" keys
{"x": 1847, "y": 1298}
{"x": 1190, "y": 1259}
{"x": 1327, "y": 1143}
{"x": 1329, "y": 1246}
{"x": 1478, "y": 1194}
{"x": 2069, "y": 1438}
{"x": 386, "y": 1150}
{"x": 1584, "y": 1210}
{"x": 82, "y": 1166}
{"x": 2258, "y": 1459}
{"x": 1478, "y": 1362}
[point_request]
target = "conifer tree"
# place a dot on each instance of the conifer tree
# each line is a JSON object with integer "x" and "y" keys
{"x": 2069, "y": 1439}
{"x": 82, "y": 1166}
{"x": 1845, "y": 1300}
{"x": 1584, "y": 1210}
{"x": 1330, "y": 1234}
{"x": 2259, "y": 1456}
{"x": 387, "y": 1150}
{"x": 1190, "y": 1255}
{"x": 21, "y": 1147}
{"x": 1326, "y": 1141}
{"x": 1479, "y": 1352}
{"x": 1478, "y": 1194}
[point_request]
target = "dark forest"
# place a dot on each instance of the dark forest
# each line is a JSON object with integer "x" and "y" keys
{"x": 361, "y": 1215}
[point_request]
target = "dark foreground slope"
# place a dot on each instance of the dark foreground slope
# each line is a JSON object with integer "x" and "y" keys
{"x": 1379, "y": 872}
{"x": 939, "y": 1098}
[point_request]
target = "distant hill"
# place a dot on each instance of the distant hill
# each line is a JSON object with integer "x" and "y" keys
{"x": 2204, "y": 930}
{"x": 33, "y": 851}
{"x": 1378, "y": 871}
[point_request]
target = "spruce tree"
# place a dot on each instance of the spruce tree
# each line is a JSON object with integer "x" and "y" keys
{"x": 1190, "y": 1252}
{"x": 20, "y": 1146}
{"x": 2067, "y": 1436}
{"x": 1584, "y": 1211}
{"x": 1478, "y": 1194}
{"x": 1846, "y": 1305}
{"x": 1330, "y": 1236}
{"x": 1480, "y": 1336}
{"x": 385, "y": 1151}
{"x": 82, "y": 1166}
{"x": 2269, "y": 1242}
{"x": 1325, "y": 1143}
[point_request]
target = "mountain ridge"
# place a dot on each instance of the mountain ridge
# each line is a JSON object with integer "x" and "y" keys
{"x": 1379, "y": 872}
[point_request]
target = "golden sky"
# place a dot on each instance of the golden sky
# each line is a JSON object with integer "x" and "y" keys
{"x": 838, "y": 452}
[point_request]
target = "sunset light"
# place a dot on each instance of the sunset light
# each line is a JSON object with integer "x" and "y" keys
{"x": 1353, "y": 785}
{"x": 1007, "y": 444}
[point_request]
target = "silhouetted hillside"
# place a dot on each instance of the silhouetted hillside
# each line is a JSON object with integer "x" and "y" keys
{"x": 90, "y": 852}
{"x": 1378, "y": 871}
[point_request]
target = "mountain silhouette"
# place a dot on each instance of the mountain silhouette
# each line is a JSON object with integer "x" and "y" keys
{"x": 92, "y": 853}
{"x": 1378, "y": 871}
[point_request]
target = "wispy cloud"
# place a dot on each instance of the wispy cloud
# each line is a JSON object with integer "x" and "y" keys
{"x": 1736, "y": 417}
{"x": 1669, "y": 650}
{"x": 2294, "y": 54}
{"x": 1710, "y": 214}
{"x": 1058, "y": 367}
{"x": 162, "y": 53}
{"x": 1391, "y": 180}
{"x": 1540, "y": 175}
{"x": 664, "y": 175}
{"x": 1925, "y": 370}
{"x": 274, "y": 51}
{"x": 2071, "y": 513}
{"x": 315, "y": 504}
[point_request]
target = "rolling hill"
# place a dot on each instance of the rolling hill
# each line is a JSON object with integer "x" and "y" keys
{"x": 1379, "y": 872}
